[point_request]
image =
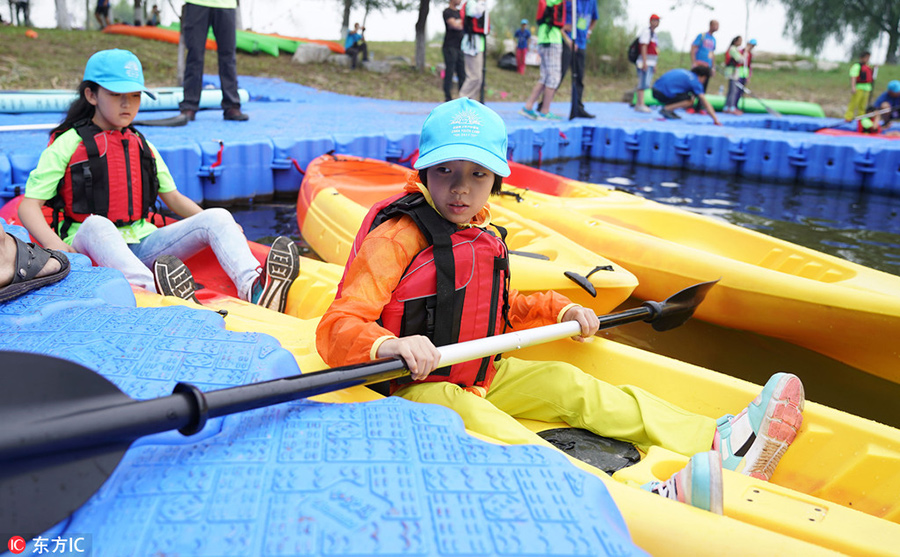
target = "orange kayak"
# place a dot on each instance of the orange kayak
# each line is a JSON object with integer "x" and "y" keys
{"x": 336, "y": 194}
{"x": 152, "y": 33}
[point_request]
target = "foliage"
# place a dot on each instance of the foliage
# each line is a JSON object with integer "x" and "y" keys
{"x": 122, "y": 12}
{"x": 863, "y": 20}
{"x": 664, "y": 40}
{"x": 372, "y": 6}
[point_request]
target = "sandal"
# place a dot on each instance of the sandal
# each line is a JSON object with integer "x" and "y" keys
{"x": 30, "y": 260}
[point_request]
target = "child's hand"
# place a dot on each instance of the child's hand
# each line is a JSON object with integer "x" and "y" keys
{"x": 419, "y": 353}
{"x": 586, "y": 318}
{"x": 59, "y": 245}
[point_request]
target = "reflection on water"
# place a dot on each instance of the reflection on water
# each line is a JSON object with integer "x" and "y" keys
{"x": 860, "y": 227}
{"x": 864, "y": 228}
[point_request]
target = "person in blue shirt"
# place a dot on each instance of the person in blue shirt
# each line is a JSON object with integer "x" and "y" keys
{"x": 522, "y": 36}
{"x": 889, "y": 101}
{"x": 677, "y": 89}
{"x": 585, "y": 18}
{"x": 354, "y": 44}
{"x": 704, "y": 46}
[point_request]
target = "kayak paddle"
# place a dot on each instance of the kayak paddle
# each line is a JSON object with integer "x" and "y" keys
{"x": 65, "y": 427}
{"x": 878, "y": 112}
{"x": 769, "y": 109}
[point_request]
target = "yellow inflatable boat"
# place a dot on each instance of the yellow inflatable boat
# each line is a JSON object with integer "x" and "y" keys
{"x": 840, "y": 309}
{"x": 835, "y": 491}
{"x": 337, "y": 191}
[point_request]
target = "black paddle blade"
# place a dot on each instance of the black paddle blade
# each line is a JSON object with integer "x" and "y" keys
{"x": 678, "y": 307}
{"x": 38, "y": 492}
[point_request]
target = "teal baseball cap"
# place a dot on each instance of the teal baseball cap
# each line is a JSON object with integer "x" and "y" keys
{"x": 463, "y": 129}
{"x": 894, "y": 86}
{"x": 524, "y": 22}
{"x": 118, "y": 70}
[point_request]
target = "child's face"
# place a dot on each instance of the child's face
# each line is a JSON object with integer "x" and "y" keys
{"x": 114, "y": 110}
{"x": 460, "y": 189}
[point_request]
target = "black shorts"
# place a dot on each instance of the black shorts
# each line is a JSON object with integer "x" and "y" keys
{"x": 666, "y": 100}
{"x": 102, "y": 10}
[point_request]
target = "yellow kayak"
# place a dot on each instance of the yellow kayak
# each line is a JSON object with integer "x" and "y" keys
{"x": 840, "y": 309}
{"x": 835, "y": 490}
{"x": 338, "y": 190}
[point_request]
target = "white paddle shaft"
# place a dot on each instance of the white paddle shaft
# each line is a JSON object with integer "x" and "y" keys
{"x": 483, "y": 347}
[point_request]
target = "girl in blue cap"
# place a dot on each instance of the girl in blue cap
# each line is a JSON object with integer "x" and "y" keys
{"x": 428, "y": 268}
{"x": 100, "y": 179}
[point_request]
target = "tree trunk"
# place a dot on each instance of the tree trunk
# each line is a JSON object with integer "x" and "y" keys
{"x": 345, "y": 19}
{"x": 62, "y": 15}
{"x": 893, "y": 43}
{"x": 420, "y": 34}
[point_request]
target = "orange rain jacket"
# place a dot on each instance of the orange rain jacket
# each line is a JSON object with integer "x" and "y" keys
{"x": 348, "y": 333}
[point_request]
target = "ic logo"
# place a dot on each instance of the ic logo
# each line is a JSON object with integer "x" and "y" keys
{"x": 16, "y": 544}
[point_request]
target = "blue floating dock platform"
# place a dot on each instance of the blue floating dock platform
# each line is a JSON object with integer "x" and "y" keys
{"x": 291, "y": 124}
{"x": 387, "y": 477}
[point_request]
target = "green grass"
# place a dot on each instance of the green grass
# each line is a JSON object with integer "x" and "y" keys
{"x": 55, "y": 60}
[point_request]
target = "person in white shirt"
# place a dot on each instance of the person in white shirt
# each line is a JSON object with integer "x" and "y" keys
{"x": 646, "y": 62}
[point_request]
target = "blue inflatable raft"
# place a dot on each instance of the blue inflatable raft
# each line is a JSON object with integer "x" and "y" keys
{"x": 303, "y": 478}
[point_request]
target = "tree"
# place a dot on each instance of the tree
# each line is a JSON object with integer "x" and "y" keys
{"x": 62, "y": 15}
{"x": 421, "y": 39}
{"x": 864, "y": 20}
{"x": 368, "y": 6}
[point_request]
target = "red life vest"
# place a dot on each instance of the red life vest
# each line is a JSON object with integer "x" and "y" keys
{"x": 873, "y": 129}
{"x": 111, "y": 173}
{"x": 729, "y": 60}
{"x": 555, "y": 16}
{"x": 456, "y": 289}
{"x": 865, "y": 74}
{"x": 479, "y": 25}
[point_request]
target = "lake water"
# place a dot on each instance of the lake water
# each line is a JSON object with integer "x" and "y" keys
{"x": 864, "y": 228}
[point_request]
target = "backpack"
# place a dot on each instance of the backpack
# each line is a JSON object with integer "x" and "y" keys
{"x": 508, "y": 62}
{"x": 634, "y": 50}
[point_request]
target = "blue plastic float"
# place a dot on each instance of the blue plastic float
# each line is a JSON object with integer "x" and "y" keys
{"x": 291, "y": 124}
{"x": 53, "y": 100}
{"x": 388, "y": 477}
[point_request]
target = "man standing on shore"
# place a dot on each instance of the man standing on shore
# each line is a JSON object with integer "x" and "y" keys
{"x": 646, "y": 62}
{"x": 476, "y": 27}
{"x": 196, "y": 19}
{"x": 703, "y": 48}
{"x": 551, "y": 16}
{"x": 586, "y": 17}
{"x": 453, "y": 56}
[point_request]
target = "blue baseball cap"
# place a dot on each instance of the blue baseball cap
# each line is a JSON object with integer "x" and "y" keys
{"x": 524, "y": 22}
{"x": 894, "y": 86}
{"x": 463, "y": 129}
{"x": 118, "y": 70}
{"x": 753, "y": 42}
